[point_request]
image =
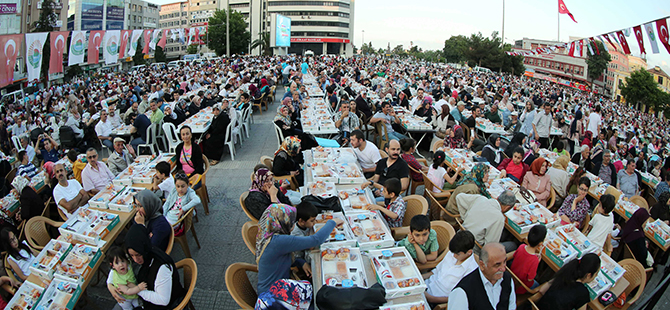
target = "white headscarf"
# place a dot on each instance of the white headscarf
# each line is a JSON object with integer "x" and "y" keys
{"x": 20, "y": 183}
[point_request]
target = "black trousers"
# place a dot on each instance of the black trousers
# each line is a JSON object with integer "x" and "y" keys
{"x": 544, "y": 143}
{"x": 639, "y": 248}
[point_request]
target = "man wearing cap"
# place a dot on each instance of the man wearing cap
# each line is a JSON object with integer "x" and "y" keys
{"x": 104, "y": 129}
{"x": 514, "y": 125}
{"x": 484, "y": 216}
{"x": 605, "y": 169}
{"x": 121, "y": 158}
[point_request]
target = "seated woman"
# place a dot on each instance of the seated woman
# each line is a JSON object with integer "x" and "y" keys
{"x": 263, "y": 192}
{"x": 180, "y": 200}
{"x": 149, "y": 208}
{"x": 537, "y": 180}
{"x": 189, "y": 156}
{"x": 275, "y": 245}
{"x": 408, "y": 146}
{"x": 346, "y": 122}
{"x": 213, "y": 144}
{"x": 20, "y": 255}
{"x": 568, "y": 288}
{"x": 632, "y": 234}
{"x": 559, "y": 177}
{"x": 287, "y": 162}
{"x": 492, "y": 152}
{"x": 514, "y": 168}
{"x": 661, "y": 210}
{"x": 157, "y": 270}
{"x": 573, "y": 185}
{"x": 474, "y": 182}
{"x": 440, "y": 123}
{"x": 455, "y": 139}
{"x": 519, "y": 139}
{"x": 31, "y": 203}
{"x": 576, "y": 206}
{"x": 289, "y": 127}
{"x": 426, "y": 110}
{"x": 440, "y": 176}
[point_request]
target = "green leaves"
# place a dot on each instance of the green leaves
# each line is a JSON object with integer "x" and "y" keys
{"x": 239, "y": 36}
{"x": 641, "y": 88}
{"x": 597, "y": 63}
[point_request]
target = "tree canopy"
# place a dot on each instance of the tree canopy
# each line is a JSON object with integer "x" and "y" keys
{"x": 597, "y": 62}
{"x": 641, "y": 88}
{"x": 239, "y": 36}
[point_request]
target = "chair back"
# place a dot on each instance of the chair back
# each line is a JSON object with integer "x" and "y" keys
{"x": 636, "y": 277}
{"x": 239, "y": 286}
{"x": 278, "y": 134}
{"x": 382, "y": 134}
{"x": 466, "y": 131}
{"x": 168, "y": 250}
{"x": 190, "y": 269}
{"x": 613, "y": 191}
{"x": 17, "y": 143}
{"x": 229, "y": 135}
{"x": 585, "y": 223}
{"x": 383, "y": 154}
{"x": 267, "y": 161}
{"x": 640, "y": 201}
{"x": 444, "y": 234}
{"x": 171, "y": 133}
{"x": 438, "y": 144}
{"x": 243, "y": 197}
{"x": 8, "y": 268}
{"x": 11, "y": 175}
{"x": 249, "y": 232}
{"x": 416, "y": 204}
{"x": 37, "y": 234}
{"x": 552, "y": 199}
{"x": 205, "y": 160}
{"x": 186, "y": 220}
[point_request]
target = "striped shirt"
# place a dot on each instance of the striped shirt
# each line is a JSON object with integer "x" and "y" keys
{"x": 28, "y": 170}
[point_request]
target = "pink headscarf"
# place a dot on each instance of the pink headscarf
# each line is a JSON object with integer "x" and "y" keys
{"x": 49, "y": 168}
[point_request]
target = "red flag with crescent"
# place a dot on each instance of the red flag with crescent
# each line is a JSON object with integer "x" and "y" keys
{"x": 562, "y": 9}
{"x": 9, "y": 49}
{"x": 593, "y": 41}
{"x": 58, "y": 39}
{"x": 663, "y": 35}
{"x": 163, "y": 39}
{"x": 571, "y": 52}
{"x": 123, "y": 44}
{"x": 638, "y": 35}
{"x": 147, "y": 39}
{"x": 623, "y": 42}
{"x": 94, "y": 41}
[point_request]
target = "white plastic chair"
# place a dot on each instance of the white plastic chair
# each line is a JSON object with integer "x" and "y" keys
{"x": 279, "y": 134}
{"x": 17, "y": 143}
{"x": 229, "y": 140}
{"x": 246, "y": 115}
{"x": 158, "y": 135}
{"x": 151, "y": 139}
{"x": 171, "y": 135}
{"x": 237, "y": 129}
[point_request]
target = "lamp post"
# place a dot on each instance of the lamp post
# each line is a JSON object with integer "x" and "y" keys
{"x": 228, "y": 29}
{"x": 363, "y": 40}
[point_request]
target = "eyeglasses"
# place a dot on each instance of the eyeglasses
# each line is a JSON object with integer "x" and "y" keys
{"x": 386, "y": 170}
{"x": 180, "y": 176}
{"x": 92, "y": 156}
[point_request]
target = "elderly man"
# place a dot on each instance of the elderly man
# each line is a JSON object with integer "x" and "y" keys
{"x": 605, "y": 170}
{"x": 30, "y": 150}
{"x": 627, "y": 180}
{"x": 583, "y": 158}
{"x": 121, "y": 158}
{"x": 457, "y": 112}
{"x": 104, "y": 129}
{"x": 392, "y": 167}
{"x": 68, "y": 194}
{"x": 484, "y": 216}
{"x": 95, "y": 175}
{"x": 489, "y": 280}
{"x": 362, "y": 104}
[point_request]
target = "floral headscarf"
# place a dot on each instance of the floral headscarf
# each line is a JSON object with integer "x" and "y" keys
{"x": 286, "y": 119}
{"x": 476, "y": 176}
{"x": 261, "y": 177}
{"x": 20, "y": 183}
{"x": 277, "y": 219}
{"x": 290, "y": 145}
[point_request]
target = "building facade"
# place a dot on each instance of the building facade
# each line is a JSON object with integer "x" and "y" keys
{"x": 636, "y": 63}
{"x": 111, "y": 14}
{"x": 558, "y": 64}
{"x": 661, "y": 78}
{"x": 141, "y": 15}
{"x": 32, "y": 9}
{"x": 174, "y": 16}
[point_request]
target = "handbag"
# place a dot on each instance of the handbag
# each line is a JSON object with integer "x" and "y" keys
{"x": 358, "y": 298}
{"x": 323, "y": 204}
{"x": 523, "y": 195}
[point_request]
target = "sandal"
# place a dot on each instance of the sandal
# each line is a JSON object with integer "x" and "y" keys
{"x": 213, "y": 162}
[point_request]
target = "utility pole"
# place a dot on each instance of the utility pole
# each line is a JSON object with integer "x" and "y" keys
{"x": 502, "y": 44}
{"x": 228, "y": 29}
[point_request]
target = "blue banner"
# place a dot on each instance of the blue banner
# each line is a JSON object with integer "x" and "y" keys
{"x": 283, "y": 31}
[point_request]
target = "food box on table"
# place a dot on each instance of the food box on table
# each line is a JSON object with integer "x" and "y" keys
{"x": 611, "y": 269}
{"x": 38, "y": 181}
{"x": 523, "y": 218}
{"x": 105, "y": 196}
{"x": 396, "y": 272}
{"x": 341, "y": 266}
{"x": 582, "y": 244}
{"x": 660, "y": 230}
{"x": 626, "y": 207}
{"x": 88, "y": 226}
{"x": 341, "y": 234}
{"x": 125, "y": 178}
{"x": 49, "y": 258}
{"x": 166, "y": 157}
{"x": 412, "y": 302}
{"x": 455, "y": 157}
{"x": 323, "y": 172}
{"x": 572, "y": 167}
{"x": 78, "y": 263}
{"x": 326, "y": 154}
{"x": 143, "y": 159}
{"x": 145, "y": 176}
{"x": 558, "y": 250}
{"x": 370, "y": 230}
{"x": 26, "y": 297}
{"x": 650, "y": 178}
{"x": 355, "y": 198}
{"x": 349, "y": 173}
{"x": 321, "y": 189}
{"x": 599, "y": 285}
{"x": 9, "y": 204}
{"x": 60, "y": 295}
{"x": 124, "y": 201}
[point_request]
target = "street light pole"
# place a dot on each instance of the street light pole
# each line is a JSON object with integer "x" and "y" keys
{"x": 502, "y": 44}
{"x": 228, "y": 29}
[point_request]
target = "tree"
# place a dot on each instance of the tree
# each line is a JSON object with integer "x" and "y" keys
{"x": 641, "y": 88}
{"x": 263, "y": 42}
{"x": 138, "y": 58}
{"x": 45, "y": 23}
{"x": 355, "y": 50}
{"x": 597, "y": 63}
{"x": 239, "y": 36}
{"x": 399, "y": 50}
{"x": 72, "y": 71}
{"x": 454, "y": 48}
{"x": 160, "y": 56}
{"x": 367, "y": 49}
{"x": 192, "y": 49}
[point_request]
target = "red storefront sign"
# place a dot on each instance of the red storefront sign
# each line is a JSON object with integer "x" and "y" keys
{"x": 319, "y": 40}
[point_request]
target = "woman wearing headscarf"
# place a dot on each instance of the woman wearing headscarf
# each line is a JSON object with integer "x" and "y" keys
{"x": 519, "y": 139}
{"x": 537, "y": 180}
{"x": 149, "y": 213}
{"x": 213, "y": 144}
{"x": 275, "y": 244}
{"x": 263, "y": 192}
{"x": 456, "y": 140}
{"x": 440, "y": 123}
{"x": 289, "y": 127}
{"x": 559, "y": 177}
{"x": 287, "y": 161}
{"x": 30, "y": 202}
{"x": 632, "y": 234}
{"x": 172, "y": 116}
{"x": 474, "y": 182}
{"x": 492, "y": 152}
{"x": 265, "y": 87}
{"x": 426, "y": 110}
{"x": 532, "y": 149}
{"x": 254, "y": 92}
{"x": 157, "y": 269}
{"x": 661, "y": 210}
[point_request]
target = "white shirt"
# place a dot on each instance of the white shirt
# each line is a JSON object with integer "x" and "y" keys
{"x": 162, "y": 292}
{"x": 167, "y": 186}
{"x": 104, "y": 129}
{"x": 447, "y": 274}
{"x": 559, "y": 180}
{"x": 96, "y": 178}
{"x": 602, "y": 226}
{"x": 438, "y": 105}
{"x": 459, "y": 300}
{"x": 114, "y": 120}
{"x": 24, "y": 264}
{"x": 30, "y": 151}
{"x": 437, "y": 177}
{"x": 594, "y": 122}
{"x": 542, "y": 124}
{"x": 68, "y": 193}
{"x": 369, "y": 156}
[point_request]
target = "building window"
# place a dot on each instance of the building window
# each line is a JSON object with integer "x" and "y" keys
{"x": 660, "y": 80}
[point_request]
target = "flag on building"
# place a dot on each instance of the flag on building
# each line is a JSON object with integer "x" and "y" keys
{"x": 34, "y": 53}
{"x": 649, "y": 28}
{"x": 562, "y": 9}
{"x": 123, "y": 43}
{"x": 94, "y": 42}
{"x": 663, "y": 35}
{"x": 77, "y": 48}
{"x": 111, "y": 48}
{"x": 154, "y": 39}
{"x": 11, "y": 45}
{"x": 163, "y": 39}
{"x": 58, "y": 43}
{"x": 146, "y": 42}
{"x": 623, "y": 42}
{"x": 639, "y": 37}
{"x": 134, "y": 39}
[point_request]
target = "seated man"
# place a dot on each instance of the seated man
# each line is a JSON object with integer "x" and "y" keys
{"x": 388, "y": 116}
{"x": 627, "y": 180}
{"x": 26, "y": 168}
{"x": 30, "y": 150}
{"x": 458, "y": 262}
{"x": 366, "y": 152}
{"x": 484, "y": 216}
{"x": 121, "y": 158}
{"x": 68, "y": 194}
{"x": 103, "y": 129}
{"x": 95, "y": 176}
{"x": 391, "y": 167}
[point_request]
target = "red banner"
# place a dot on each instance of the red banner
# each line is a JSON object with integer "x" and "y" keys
{"x": 663, "y": 36}
{"x": 11, "y": 44}
{"x": 623, "y": 42}
{"x": 562, "y": 9}
{"x": 94, "y": 41}
{"x": 163, "y": 40}
{"x": 593, "y": 41}
{"x": 325, "y": 40}
{"x": 638, "y": 36}
{"x": 147, "y": 39}
{"x": 125, "y": 37}
{"x": 57, "y": 39}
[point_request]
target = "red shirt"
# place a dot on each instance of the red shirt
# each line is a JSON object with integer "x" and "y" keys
{"x": 412, "y": 162}
{"x": 524, "y": 266}
{"x": 515, "y": 170}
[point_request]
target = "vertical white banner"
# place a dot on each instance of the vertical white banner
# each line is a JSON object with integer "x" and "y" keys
{"x": 34, "y": 53}
{"x": 111, "y": 46}
{"x": 77, "y": 48}
{"x": 137, "y": 33}
{"x": 154, "y": 39}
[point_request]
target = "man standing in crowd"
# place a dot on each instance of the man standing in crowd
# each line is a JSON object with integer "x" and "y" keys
{"x": 594, "y": 121}
{"x": 542, "y": 125}
{"x": 484, "y": 216}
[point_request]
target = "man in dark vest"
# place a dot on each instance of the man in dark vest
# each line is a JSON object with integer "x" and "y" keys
{"x": 489, "y": 280}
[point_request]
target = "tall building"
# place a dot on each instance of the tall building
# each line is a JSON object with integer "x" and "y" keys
{"x": 557, "y": 65}
{"x": 636, "y": 63}
{"x": 617, "y": 72}
{"x": 111, "y": 14}
{"x": 174, "y": 16}
{"x": 10, "y": 17}
{"x": 141, "y": 15}
{"x": 32, "y": 9}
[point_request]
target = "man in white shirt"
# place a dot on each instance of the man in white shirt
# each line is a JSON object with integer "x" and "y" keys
{"x": 366, "y": 152}
{"x": 458, "y": 262}
{"x": 68, "y": 194}
{"x": 489, "y": 279}
{"x": 19, "y": 128}
{"x": 542, "y": 125}
{"x": 104, "y": 129}
{"x": 30, "y": 150}
{"x": 74, "y": 122}
{"x": 95, "y": 176}
{"x": 417, "y": 100}
{"x": 594, "y": 122}
{"x": 113, "y": 116}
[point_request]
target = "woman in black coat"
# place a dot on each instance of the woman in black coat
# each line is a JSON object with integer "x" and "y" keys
{"x": 189, "y": 155}
{"x": 215, "y": 136}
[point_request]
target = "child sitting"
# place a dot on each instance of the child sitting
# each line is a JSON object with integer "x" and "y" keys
{"x": 458, "y": 263}
{"x": 421, "y": 243}
{"x": 394, "y": 212}
{"x": 181, "y": 199}
{"x": 304, "y": 225}
{"x": 527, "y": 258}
{"x": 602, "y": 222}
{"x": 440, "y": 176}
{"x": 19, "y": 255}
{"x": 123, "y": 278}
{"x": 560, "y": 149}
{"x": 163, "y": 183}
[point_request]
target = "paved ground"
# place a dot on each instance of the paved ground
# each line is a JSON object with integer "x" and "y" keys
{"x": 220, "y": 232}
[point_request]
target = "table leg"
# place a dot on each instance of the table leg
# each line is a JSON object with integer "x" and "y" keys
{"x": 416, "y": 150}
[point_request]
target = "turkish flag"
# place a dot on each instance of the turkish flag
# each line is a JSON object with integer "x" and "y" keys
{"x": 147, "y": 39}
{"x": 663, "y": 36}
{"x": 57, "y": 39}
{"x": 581, "y": 48}
{"x": 638, "y": 35}
{"x": 163, "y": 40}
{"x": 562, "y": 9}
{"x": 609, "y": 40}
{"x": 9, "y": 49}
{"x": 571, "y": 52}
{"x": 623, "y": 42}
{"x": 123, "y": 44}
{"x": 94, "y": 41}
{"x": 594, "y": 44}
